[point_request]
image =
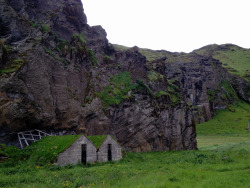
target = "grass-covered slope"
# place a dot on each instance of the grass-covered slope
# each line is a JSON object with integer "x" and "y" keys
{"x": 234, "y": 58}
{"x": 226, "y": 129}
{"x": 227, "y": 123}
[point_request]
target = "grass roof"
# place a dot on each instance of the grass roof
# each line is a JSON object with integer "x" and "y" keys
{"x": 48, "y": 148}
{"x": 97, "y": 140}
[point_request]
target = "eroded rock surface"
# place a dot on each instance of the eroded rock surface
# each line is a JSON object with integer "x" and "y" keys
{"x": 54, "y": 68}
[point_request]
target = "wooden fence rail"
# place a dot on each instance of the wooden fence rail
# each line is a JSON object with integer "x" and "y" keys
{"x": 27, "y": 137}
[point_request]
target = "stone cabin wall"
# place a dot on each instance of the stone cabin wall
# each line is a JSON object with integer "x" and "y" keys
{"x": 102, "y": 153}
{"x": 73, "y": 154}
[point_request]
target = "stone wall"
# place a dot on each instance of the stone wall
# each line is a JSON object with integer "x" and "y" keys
{"x": 102, "y": 154}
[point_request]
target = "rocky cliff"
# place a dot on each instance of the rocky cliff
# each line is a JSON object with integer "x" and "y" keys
{"x": 57, "y": 72}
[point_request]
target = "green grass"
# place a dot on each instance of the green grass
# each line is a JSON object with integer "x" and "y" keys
{"x": 97, "y": 140}
{"x": 47, "y": 149}
{"x": 221, "y": 161}
{"x": 227, "y": 122}
{"x": 223, "y": 167}
{"x": 206, "y": 142}
{"x": 236, "y": 60}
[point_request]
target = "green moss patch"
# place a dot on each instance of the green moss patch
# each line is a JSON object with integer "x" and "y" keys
{"x": 82, "y": 49}
{"x": 97, "y": 140}
{"x": 154, "y": 76}
{"x": 118, "y": 89}
{"x": 12, "y": 67}
{"x": 45, "y": 28}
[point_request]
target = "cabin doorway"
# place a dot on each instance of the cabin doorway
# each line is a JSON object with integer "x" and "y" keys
{"x": 109, "y": 152}
{"x": 84, "y": 154}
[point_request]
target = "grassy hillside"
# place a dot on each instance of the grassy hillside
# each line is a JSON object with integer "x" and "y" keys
{"x": 226, "y": 129}
{"x": 234, "y": 58}
{"x": 227, "y": 123}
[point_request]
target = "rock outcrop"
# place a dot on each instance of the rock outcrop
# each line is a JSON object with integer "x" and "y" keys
{"x": 57, "y": 72}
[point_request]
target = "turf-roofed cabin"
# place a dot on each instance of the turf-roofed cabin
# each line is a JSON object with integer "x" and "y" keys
{"x": 91, "y": 149}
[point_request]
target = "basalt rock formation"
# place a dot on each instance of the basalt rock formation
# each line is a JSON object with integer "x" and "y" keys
{"x": 57, "y": 72}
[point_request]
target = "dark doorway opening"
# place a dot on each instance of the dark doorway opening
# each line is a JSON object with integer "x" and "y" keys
{"x": 84, "y": 154}
{"x": 109, "y": 152}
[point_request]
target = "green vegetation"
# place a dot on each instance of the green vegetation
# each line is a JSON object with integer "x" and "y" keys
{"x": 12, "y": 67}
{"x": 97, "y": 140}
{"x": 234, "y": 58}
{"x": 150, "y": 55}
{"x": 92, "y": 57}
{"x": 83, "y": 50}
{"x": 80, "y": 37}
{"x": 45, "y": 28}
{"x": 50, "y": 52}
{"x": 174, "y": 97}
{"x": 118, "y": 89}
{"x": 5, "y": 52}
{"x": 140, "y": 86}
{"x": 222, "y": 161}
{"x": 43, "y": 152}
{"x": 46, "y": 150}
{"x": 212, "y": 94}
{"x": 63, "y": 47}
{"x": 34, "y": 25}
{"x": 226, "y": 166}
{"x": 154, "y": 76}
{"x": 230, "y": 94}
{"x": 161, "y": 93}
{"x": 227, "y": 123}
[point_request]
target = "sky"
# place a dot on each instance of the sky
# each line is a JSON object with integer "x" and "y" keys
{"x": 173, "y": 25}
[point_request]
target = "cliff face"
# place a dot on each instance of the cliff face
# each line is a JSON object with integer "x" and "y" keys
{"x": 57, "y": 72}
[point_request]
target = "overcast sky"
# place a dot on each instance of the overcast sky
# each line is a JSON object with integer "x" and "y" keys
{"x": 173, "y": 25}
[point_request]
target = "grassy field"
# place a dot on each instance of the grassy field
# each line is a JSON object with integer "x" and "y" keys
{"x": 223, "y": 160}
